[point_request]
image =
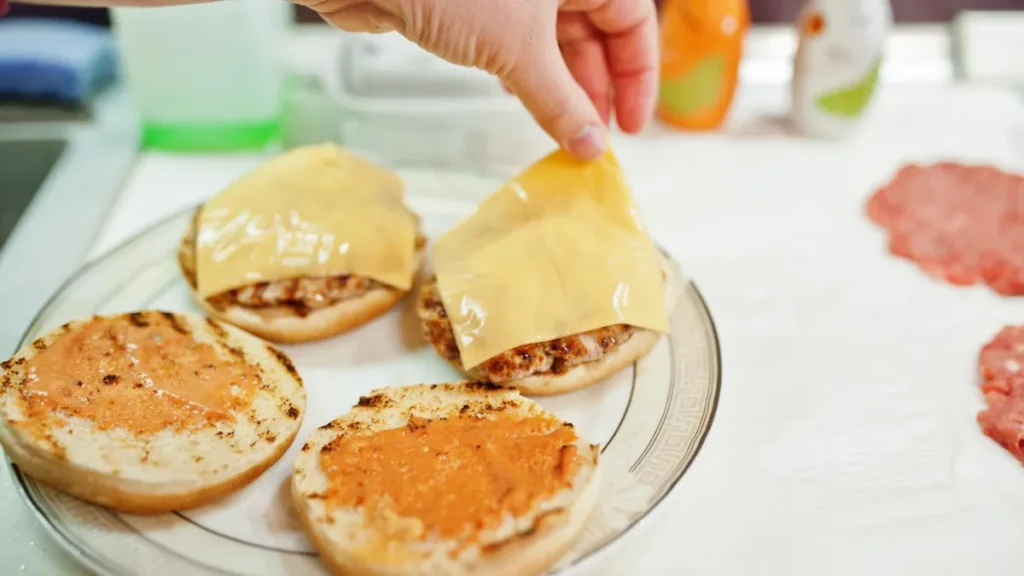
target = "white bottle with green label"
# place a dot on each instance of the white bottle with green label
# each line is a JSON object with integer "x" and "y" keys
{"x": 837, "y": 63}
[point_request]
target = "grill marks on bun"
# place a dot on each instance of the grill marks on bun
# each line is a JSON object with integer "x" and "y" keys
{"x": 447, "y": 478}
{"x": 148, "y": 412}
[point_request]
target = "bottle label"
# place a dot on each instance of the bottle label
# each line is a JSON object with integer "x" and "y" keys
{"x": 700, "y": 88}
{"x": 851, "y": 101}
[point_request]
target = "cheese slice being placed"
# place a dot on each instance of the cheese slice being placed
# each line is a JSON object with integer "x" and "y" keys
{"x": 315, "y": 211}
{"x": 561, "y": 249}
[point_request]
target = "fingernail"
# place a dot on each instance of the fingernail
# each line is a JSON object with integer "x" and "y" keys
{"x": 587, "y": 144}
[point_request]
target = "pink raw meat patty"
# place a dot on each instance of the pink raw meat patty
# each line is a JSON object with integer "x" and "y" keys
{"x": 962, "y": 224}
{"x": 1001, "y": 363}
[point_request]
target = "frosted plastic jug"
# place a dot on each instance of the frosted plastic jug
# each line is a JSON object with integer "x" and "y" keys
{"x": 206, "y": 77}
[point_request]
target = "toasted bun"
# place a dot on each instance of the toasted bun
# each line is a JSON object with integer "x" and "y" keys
{"x": 282, "y": 325}
{"x": 349, "y": 544}
{"x": 167, "y": 470}
{"x": 583, "y": 375}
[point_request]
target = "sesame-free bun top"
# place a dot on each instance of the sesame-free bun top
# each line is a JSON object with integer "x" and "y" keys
{"x": 148, "y": 412}
{"x": 445, "y": 479}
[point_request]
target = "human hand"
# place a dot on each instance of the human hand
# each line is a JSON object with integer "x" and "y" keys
{"x": 571, "y": 62}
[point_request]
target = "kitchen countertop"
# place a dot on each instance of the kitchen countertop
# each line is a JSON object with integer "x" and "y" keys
{"x": 845, "y": 440}
{"x": 838, "y": 447}
{"x": 75, "y": 197}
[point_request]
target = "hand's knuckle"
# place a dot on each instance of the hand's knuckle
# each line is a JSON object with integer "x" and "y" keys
{"x": 357, "y": 16}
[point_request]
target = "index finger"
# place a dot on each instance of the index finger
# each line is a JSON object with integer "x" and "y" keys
{"x": 631, "y": 37}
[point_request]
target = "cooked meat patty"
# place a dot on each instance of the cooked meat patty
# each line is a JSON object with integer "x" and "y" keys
{"x": 554, "y": 356}
{"x": 303, "y": 295}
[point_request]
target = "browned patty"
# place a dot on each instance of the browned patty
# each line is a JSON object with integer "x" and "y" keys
{"x": 551, "y": 357}
{"x": 302, "y": 295}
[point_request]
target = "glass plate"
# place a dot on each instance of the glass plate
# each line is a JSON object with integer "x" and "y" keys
{"x": 650, "y": 419}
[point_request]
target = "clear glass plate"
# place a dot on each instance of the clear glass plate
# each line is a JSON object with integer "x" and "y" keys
{"x": 650, "y": 419}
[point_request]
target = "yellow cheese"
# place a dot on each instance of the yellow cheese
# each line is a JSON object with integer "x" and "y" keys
{"x": 315, "y": 211}
{"x": 561, "y": 249}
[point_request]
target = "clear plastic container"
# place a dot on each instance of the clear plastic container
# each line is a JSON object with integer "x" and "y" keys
{"x": 207, "y": 76}
{"x": 398, "y": 104}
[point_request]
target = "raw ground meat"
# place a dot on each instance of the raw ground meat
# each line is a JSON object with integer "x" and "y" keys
{"x": 962, "y": 224}
{"x": 1001, "y": 363}
{"x": 1003, "y": 421}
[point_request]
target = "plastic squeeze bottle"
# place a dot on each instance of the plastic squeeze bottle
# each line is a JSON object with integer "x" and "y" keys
{"x": 701, "y": 47}
{"x": 837, "y": 63}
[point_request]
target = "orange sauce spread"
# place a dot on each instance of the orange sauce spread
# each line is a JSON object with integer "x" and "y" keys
{"x": 143, "y": 373}
{"x": 457, "y": 476}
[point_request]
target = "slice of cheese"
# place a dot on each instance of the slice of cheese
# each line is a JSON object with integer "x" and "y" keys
{"x": 314, "y": 211}
{"x": 560, "y": 249}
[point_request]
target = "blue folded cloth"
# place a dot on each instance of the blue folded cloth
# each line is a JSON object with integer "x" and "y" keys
{"x": 55, "y": 60}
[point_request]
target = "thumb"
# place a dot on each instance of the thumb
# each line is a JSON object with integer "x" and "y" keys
{"x": 547, "y": 88}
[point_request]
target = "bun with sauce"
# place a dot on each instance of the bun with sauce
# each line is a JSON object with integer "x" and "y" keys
{"x": 552, "y": 285}
{"x": 445, "y": 479}
{"x": 312, "y": 244}
{"x": 148, "y": 412}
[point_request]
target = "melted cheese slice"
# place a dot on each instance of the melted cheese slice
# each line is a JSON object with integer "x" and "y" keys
{"x": 315, "y": 211}
{"x": 559, "y": 250}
